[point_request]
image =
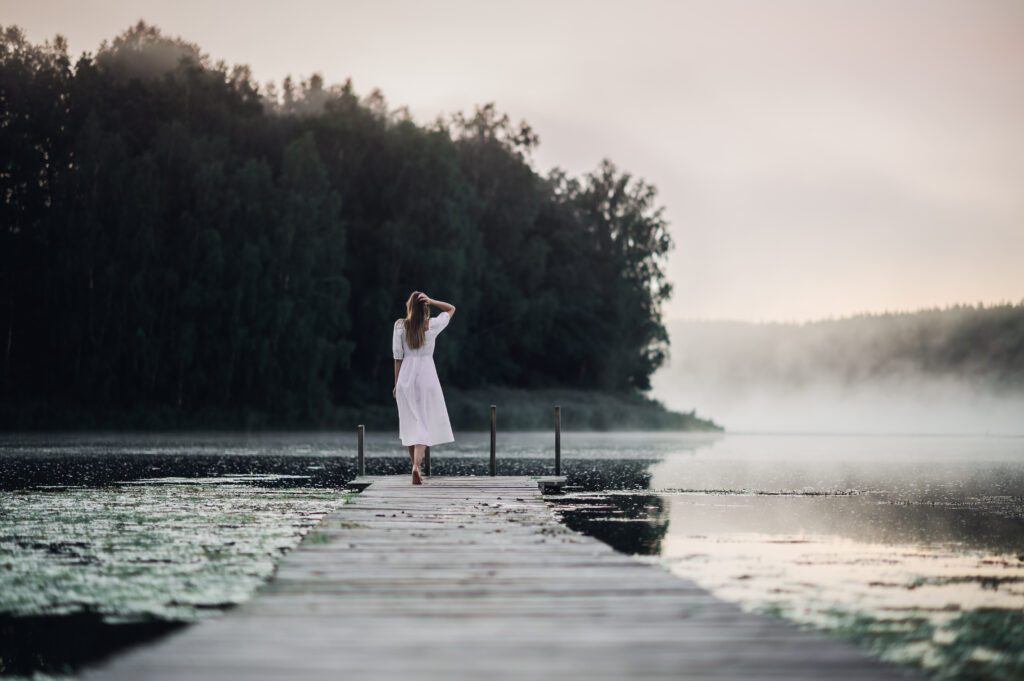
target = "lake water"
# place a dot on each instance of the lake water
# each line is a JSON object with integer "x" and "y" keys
{"x": 910, "y": 546}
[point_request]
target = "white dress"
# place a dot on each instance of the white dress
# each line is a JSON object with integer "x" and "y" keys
{"x": 422, "y": 414}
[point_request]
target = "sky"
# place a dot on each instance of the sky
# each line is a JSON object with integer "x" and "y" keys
{"x": 816, "y": 158}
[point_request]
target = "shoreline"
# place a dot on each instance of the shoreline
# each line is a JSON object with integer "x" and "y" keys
{"x": 518, "y": 410}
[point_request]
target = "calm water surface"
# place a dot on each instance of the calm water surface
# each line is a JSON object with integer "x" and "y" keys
{"x": 912, "y": 546}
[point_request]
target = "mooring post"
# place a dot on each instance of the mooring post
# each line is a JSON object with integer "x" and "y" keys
{"x": 558, "y": 440}
{"x": 361, "y": 463}
{"x": 426, "y": 461}
{"x": 494, "y": 424}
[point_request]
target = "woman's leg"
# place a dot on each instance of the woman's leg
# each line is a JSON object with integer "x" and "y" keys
{"x": 412, "y": 459}
{"x": 417, "y": 478}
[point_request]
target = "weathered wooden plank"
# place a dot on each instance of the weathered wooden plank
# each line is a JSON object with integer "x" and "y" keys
{"x": 474, "y": 578}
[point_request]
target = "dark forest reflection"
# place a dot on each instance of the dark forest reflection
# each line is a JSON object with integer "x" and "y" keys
{"x": 631, "y": 523}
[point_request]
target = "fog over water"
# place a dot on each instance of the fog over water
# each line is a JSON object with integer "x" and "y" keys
{"x": 901, "y": 374}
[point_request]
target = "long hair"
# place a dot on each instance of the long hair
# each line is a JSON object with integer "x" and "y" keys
{"x": 416, "y": 316}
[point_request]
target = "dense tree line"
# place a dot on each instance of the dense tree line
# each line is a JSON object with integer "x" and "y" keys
{"x": 175, "y": 236}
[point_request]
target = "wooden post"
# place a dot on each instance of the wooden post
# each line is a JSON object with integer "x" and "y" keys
{"x": 426, "y": 461}
{"x": 494, "y": 424}
{"x": 361, "y": 465}
{"x": 558, "y": 440}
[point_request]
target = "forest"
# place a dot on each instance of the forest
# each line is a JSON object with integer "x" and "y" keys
{"x": 179, "y": 240}
{"x": 978, "y": 346}
{"x": 958, "y": 369}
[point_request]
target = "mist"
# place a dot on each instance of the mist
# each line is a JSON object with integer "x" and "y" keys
{"x": 958, "y": 371}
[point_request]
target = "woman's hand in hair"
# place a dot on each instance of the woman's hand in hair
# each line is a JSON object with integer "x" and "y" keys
{"x": 424, "y": 298}
{"x": 447, "y": 307}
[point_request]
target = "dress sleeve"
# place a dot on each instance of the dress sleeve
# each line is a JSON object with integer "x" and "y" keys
{"x": 397, "y": 342}
{"x": 439, "y": 322}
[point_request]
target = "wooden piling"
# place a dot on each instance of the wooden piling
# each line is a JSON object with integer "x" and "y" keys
{"x": 361, "y": 463}
{"x": 558, "y": 440}
{"x": 494, "y": 424}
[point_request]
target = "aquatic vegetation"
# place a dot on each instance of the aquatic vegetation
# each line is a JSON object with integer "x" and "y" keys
{"x": 985, "y": 643}
{"x": 991, "y": 636}
{"x": 174, "y": 549}
{"x": 318, "y": 538}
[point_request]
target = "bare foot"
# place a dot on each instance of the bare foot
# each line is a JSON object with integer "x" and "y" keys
{"x": 416, "y": 479}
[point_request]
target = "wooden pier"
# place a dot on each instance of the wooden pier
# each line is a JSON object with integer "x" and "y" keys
{"x": 473, "y": 578}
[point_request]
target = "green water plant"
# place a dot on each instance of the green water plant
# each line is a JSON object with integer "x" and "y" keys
{"x": 174, "y": 551}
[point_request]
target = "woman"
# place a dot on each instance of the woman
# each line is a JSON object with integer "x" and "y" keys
{"x": 422, "y": 415}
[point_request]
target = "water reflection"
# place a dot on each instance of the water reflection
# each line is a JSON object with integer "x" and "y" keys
{"x": 631, "y": 523}
{"x": 869, "y": 518}
{"x": 55, "y": 647}
{"x": 935, "y": 469}
{"x": 911, "y": 581}
{"x": 913, "y": 547}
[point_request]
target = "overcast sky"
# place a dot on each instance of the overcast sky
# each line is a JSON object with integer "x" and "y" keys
{"x": 816, "y": 158}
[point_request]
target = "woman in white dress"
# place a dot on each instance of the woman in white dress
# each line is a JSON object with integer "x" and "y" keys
{"x": 422, "y": 414}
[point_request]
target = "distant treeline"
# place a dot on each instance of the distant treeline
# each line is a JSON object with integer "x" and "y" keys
{"x": 174, "y": 237}
{"x": 973, "y": 345}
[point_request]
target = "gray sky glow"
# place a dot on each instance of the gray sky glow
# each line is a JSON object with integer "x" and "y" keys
{"x": 816, "y": 157}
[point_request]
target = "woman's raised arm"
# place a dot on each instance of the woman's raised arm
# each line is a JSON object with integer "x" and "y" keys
{"x": 447, "y": 307}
